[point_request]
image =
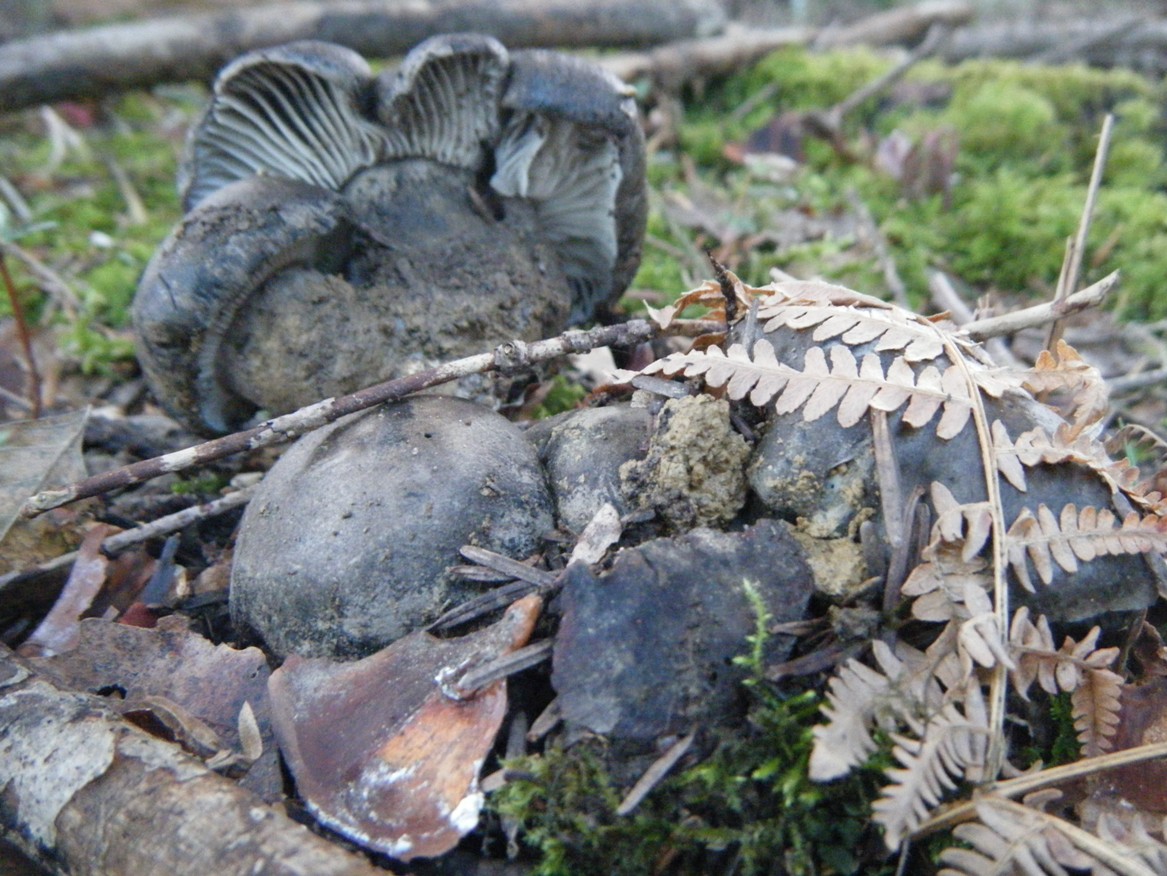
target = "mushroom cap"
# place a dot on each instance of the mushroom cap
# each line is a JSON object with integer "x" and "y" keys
{"x": 544, "y": 149}
{"x": 348, "y": 542}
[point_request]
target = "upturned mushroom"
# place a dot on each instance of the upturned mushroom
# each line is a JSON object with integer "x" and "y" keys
{"x": 343, "y": 229}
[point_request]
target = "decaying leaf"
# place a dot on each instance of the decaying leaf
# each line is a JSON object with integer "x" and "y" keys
{"x": 34, "y": 454}
{"x": 176, "y": 673}
{"x": 1142, "y": 720}
{"x": 387, "y": 750}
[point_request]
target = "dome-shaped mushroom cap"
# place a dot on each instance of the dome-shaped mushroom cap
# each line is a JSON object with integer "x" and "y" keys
{"x": 204, "y": 272}
{"x": 294, "y": 111}
{"x": 348, "y": 542}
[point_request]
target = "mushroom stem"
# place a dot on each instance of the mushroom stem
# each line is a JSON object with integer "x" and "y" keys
{"x": 285, "y": 428}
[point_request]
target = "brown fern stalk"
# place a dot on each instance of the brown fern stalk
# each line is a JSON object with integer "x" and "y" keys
{"x": 34, "y": 377}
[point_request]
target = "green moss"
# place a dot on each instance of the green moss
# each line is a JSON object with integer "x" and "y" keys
{"x": 1000, "y": 122}
{"x": 208, "y": 485}
{"x": 562, "y": 396}
{"x": 749, "y": 801}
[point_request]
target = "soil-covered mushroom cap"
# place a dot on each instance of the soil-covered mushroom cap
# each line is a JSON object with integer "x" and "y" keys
{"x": 348, "y": 543}
{"x": 466, "y": 199}
{"x": 582, "y": 452}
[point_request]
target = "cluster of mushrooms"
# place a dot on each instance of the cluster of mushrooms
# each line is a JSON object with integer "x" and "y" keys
{"x": 342, "y": 229}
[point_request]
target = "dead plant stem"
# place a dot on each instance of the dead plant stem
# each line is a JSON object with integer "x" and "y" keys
{"x": 34, "y": 377}
{"x": 1072, "y": 267}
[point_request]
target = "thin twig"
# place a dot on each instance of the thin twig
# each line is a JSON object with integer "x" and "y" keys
{"x": 1073, "y": 265}
{"x": 1128, "y": 382}
{"x": 829, "y": 123}
{"x": 511, "y": 356}
{"x": 1041, "y": 314}
{"x": 946, "y": 298}
{"x": 159, "y": 528}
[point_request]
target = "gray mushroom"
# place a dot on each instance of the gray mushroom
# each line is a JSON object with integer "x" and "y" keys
{"x": 348, "y": 542}
{"x": 344, "y": 228}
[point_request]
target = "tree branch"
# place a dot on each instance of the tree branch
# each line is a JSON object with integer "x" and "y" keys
{"x": 95, "y": 61}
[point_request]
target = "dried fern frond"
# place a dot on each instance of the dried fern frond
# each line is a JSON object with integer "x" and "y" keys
{"x": 890, "y": 330}
{"x": 951, "y": 746}
{"x": 1035, "y": 656}
{"x": 1013, "y": 838}
{"x": 1078, "y": 668}
{"x": 1036, "y": 446}
{"x": 1096, "y": 702}
{"x": 789, "y": 292}
{"x": 908, "y": 683}
{"x": 1044, "y": 539}
{"x": 1135, "y": 837}
{"x": 845, "y": 385}
{"x": 1065, "y": 371}
{"x": 980, "y": 640}
{"x": 844, "y": 741}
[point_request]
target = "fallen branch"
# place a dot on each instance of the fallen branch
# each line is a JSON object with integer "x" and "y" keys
{"x": 1117, "y": 42}
{"x": 511, "y": 356}
{"x": 87, "y": 793}
{"x": 671, "y": 66}
{"x": 906, "y": 24}
{"x": 95, "y": 61}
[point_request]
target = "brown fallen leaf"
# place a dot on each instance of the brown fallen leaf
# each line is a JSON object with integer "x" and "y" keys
{"x": 1143, "y": 720}
{"x": 387, "y": 750}
{"x": 34, "y": 454}
{"x": 204, "y": 683}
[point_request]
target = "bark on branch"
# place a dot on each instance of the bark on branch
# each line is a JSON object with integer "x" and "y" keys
{"x": 99, "y": 60}
{"x": 87, "y": 792}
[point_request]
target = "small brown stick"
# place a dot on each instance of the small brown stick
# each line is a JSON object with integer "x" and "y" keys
{"x": 163, "y": 526}
{"x": 654, "y": 774}
{"x": 34, "y": 377}
{"x": 1072, "y": 267}
{"x": 511, "y": 356}
{"x": 504, "y": 666}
